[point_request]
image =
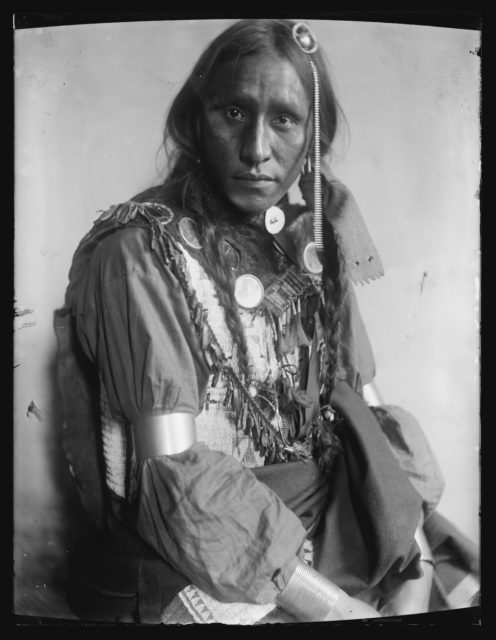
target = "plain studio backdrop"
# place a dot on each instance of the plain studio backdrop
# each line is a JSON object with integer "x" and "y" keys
{"x": 90, "y": 104}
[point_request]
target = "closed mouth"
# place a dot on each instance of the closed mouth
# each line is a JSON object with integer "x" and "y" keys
{"x": 253, "y": 177}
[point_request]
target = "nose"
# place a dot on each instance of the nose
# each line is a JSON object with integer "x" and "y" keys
{"x": 255, "y": 147}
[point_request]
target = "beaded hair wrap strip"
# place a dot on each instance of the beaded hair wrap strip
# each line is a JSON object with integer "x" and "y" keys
{"x": 307, "y": 42}
{"x": 362, "y": 258}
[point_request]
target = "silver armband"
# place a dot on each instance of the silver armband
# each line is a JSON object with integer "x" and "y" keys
{"x": 371, "y": 395}
{"x": 308, "y": 595}
{"x": 165, "y": 434}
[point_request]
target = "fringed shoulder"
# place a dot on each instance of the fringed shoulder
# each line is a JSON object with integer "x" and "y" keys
{"x": 153, "y": 216}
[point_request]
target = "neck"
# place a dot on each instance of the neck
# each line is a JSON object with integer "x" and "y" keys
{"x": 256, "y": 219}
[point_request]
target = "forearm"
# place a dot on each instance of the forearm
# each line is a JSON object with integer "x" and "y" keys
{"x": 310, "y": 597}
{"x": 212, "y": 519}
{"x": 226, "y": 531}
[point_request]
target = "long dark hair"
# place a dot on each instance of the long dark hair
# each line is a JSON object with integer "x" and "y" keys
{"x": 244, "y": 38}
{"x": 185, "y": 180}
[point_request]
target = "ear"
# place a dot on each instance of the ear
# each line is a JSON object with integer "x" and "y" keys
{"x": 307, "y": 162}
{"x": 308, "y": 155}
{"x": 307, "y": 165}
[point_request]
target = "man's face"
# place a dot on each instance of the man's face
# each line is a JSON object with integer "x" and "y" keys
{"x": 255, "y": 130}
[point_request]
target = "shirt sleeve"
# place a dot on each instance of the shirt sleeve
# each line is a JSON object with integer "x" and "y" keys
{"x": 134, "y": 323}
{"x": 201, "y": 510}
{"x": 217, "y": 524}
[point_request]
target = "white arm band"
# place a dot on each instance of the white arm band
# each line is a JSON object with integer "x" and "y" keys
{"x": 371, "y": 395}
{"x": 165, "y": 434}
{"x": 308, "y": 595}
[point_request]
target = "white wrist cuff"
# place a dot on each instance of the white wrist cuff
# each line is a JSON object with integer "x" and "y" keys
{"x": 308, "y": 595}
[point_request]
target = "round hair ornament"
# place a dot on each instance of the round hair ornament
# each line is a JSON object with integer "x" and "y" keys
{"x": 304, "y": 37}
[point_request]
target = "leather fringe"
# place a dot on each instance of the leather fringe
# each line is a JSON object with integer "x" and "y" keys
{"x": 272, "y": 433}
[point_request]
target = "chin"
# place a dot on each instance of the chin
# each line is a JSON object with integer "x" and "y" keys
{"x": 253, "y": 205}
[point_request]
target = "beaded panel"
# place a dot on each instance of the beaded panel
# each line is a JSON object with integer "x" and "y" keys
{"x": 215, "y": 424}
{"x": 117, "y": 448}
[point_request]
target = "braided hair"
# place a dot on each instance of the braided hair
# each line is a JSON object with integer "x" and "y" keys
{"x": 197, "y": 198}
{"x": 182, "y": 143}
{"x": 335, "y": 283}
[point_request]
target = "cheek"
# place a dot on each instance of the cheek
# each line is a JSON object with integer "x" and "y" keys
{"x": 219, "y": 142}
{"x": 292, "y": 152}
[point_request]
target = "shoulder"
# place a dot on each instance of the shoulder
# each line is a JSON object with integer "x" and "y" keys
{"x": 122, "y": 251}
{"x": 126, "y": 237}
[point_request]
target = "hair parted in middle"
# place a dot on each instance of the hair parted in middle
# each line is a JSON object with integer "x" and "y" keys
{"x": 182, "y": 136}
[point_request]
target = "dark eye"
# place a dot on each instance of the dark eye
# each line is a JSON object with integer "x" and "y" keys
{"x": 284, "y": 121}
{"x": 233, "y": 113}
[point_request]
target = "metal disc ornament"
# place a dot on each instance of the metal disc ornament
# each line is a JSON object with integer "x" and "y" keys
{"x": 274, "y": 220}
{"x": 248, "y": 291}
{"x": 304, "y": 37}
{"x": 189, "y": 232}
{"x": 231, "y": 255}
{"x": 311, "y": 259}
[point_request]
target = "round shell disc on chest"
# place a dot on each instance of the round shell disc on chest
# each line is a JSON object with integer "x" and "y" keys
{"x": 231, "y": 255}
{"x": 189, "y": 232}
{"x": 274, "y": 220}
{"x": 248, "y": 291}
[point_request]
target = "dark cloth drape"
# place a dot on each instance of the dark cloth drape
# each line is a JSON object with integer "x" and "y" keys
{"x": 363, "y": 518}
{"x": 366, "y": 536}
